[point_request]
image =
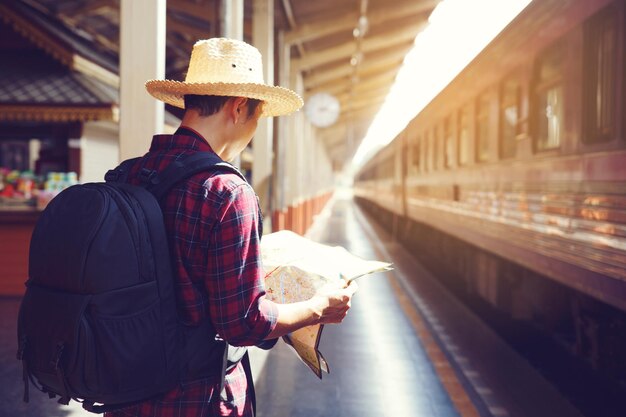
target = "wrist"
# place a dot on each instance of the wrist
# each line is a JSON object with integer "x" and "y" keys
{"x": 315, "y": 309}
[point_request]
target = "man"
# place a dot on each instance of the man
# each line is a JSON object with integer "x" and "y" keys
{"x": 214, "y": 225}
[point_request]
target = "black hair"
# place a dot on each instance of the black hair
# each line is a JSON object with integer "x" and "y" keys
{"x": 208, "y": 105}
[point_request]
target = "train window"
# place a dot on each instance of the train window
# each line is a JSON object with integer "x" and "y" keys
{"x": 482, "y": 128}
{"x": 464, "y": 136}
{"x": 448, "y": 140}
{"x": 436, "y": 147}
{"x": 600, "y": 76}
{"x": 509, "y": 115}
{"x": 415, "y": 154}
{"x": 549, "y": 99}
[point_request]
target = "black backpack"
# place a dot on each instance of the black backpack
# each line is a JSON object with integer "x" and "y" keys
{"x": 98, "y": 322}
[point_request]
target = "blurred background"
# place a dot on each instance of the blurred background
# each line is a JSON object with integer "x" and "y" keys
{"x": 483, "y": 140}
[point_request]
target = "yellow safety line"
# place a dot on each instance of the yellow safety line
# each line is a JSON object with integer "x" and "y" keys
{"x": 447, "y": 376}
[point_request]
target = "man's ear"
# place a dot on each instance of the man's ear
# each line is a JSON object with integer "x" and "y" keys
{"x": 238, "y": 108}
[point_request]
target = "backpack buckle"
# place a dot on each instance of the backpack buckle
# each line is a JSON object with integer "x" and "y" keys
{"x": 147, "y": 176}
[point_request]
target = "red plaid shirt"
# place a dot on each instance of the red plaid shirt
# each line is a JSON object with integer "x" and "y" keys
{"x": 214, "y": 228}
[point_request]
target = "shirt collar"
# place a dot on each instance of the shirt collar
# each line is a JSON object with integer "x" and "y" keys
{"x": 184, "y": 138}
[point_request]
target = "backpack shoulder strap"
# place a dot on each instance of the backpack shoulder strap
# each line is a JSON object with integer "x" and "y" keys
{"x": 120, "y": 173}
{"x": 183, "y": 168}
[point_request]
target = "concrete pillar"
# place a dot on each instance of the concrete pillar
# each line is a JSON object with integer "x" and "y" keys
{"x": 309, "y": 177}
{"x": 280, "y": 183}
{"x": 231, "y": 19}
{"x": 142, "y": 58}
{"x": 295, "y": 157}
{"x": 231, "y": 26}
{"x": 263, "y": 39}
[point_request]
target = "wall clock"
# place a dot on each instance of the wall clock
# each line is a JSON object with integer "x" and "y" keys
{"x": 322, "y": 109}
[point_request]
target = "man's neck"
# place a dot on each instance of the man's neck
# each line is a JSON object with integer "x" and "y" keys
{"x": 211, "y": 128}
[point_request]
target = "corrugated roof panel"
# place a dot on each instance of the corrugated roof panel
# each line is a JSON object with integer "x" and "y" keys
{"x": 37, "y": 79}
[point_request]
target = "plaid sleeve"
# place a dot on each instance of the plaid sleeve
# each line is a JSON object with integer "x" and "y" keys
{"x": 238, "y": 308}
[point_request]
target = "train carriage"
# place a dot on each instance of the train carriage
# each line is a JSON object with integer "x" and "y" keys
{"x": 513, "y": 179}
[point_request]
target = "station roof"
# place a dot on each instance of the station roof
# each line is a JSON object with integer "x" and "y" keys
{"x": 35, "y": 87}
{"x": 351, "y": 49}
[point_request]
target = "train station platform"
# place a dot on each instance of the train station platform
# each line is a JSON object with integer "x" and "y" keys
{"x": 407, "y": 348}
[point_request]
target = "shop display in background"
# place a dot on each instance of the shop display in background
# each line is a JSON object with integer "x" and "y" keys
{"x": 55, "y": 183}
{"x": 17, "y": 188}
{"x": 24, "y": 190}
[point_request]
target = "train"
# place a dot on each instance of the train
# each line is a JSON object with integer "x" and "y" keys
{"x": 511, "y": 182}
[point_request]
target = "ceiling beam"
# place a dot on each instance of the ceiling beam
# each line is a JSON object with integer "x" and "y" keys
{"x": 203, "y": 11}
{"x": 345, "y": 51}
{"x": 347, "y": 83}
{"x": 98, "y": 37}
{"x": 82, "y": 8}
{"x": 346, "y": 97}
{"x": 364, "y": 113}
{"x": 366, "y": 104}
{"x": 348, "y": 22}
{"x": 310, "y": 31}
{"x": 375, "y": 82}
{"x": 357, "y": 117}
{"x": 382, "y": 60}
{"x": 363, "y": 85}
{"x": 331, "y": 132}
{"x": 292, "y": 23}
{"x": 319, "y": 78}
{"x": 196, "y": 32}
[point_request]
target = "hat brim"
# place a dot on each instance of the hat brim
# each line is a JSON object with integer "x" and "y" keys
{"x": 278, "y": 101}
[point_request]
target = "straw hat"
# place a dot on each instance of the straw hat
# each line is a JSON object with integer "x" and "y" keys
{"x": 226, "y": 67}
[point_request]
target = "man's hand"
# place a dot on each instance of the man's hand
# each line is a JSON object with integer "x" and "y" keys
{"x": 332, "y": 302}
{"x": 329, "y": 305}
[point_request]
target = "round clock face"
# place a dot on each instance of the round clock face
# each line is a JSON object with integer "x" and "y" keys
{"x": 322, "y": 109}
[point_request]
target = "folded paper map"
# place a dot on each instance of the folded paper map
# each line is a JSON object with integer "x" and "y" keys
{"x": 295, "y": 268}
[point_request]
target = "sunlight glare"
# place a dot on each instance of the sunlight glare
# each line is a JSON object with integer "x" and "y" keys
{"x": 457, "y": 31}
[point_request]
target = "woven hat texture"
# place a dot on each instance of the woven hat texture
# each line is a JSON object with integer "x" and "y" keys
{"x": 226, "y": 67}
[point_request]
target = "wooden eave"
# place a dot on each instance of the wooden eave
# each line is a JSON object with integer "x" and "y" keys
{"x": 58, "y": 114}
